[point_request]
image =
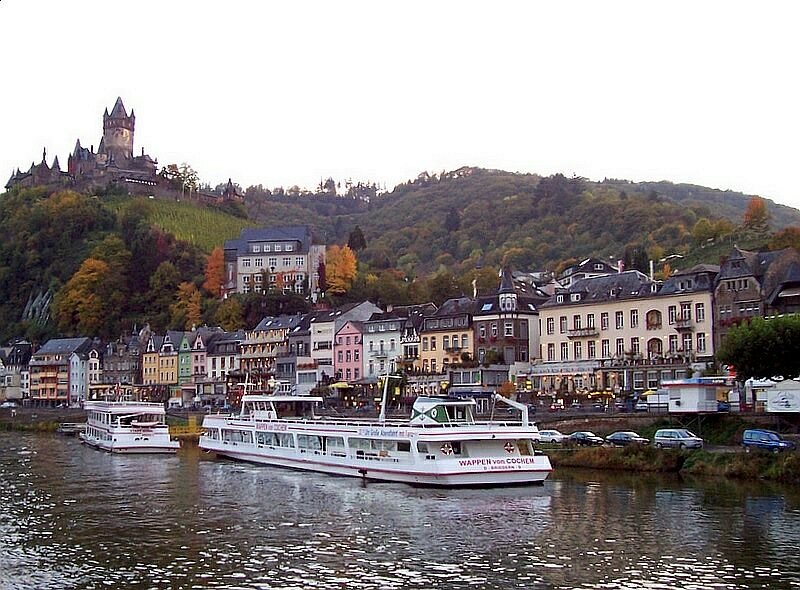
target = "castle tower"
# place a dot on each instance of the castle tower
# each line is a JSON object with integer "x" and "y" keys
{"x": 117, "y": 139}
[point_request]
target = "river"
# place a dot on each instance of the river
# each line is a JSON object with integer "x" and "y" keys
{"x": 74, "y": 517}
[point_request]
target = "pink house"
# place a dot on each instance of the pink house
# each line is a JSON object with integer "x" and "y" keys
{"x": 347, "y": 351}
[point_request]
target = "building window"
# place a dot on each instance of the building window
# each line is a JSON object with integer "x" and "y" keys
{"x": 686, "y": 311}
{"x": 687, "y": 342}
{"x": 578, "y": 350}
{"x": 638, "y": 380}
{"x": 272, "y": 261}
{"x": 673, "y": 342}
{"x": 634, "y": 318}
{"x": 445, "y": 342}
{"x": 482, "y": 331}
{"x": 433, "y": 365}
{"x": 672, "y": 313}
{"x": 590, "y": 320}
{"x": 494, "y": 329}
{"x": 246, "y": 262}
{"x": 605, "y": 349}
{"x": 287, "y": 262}
{"x": 652, "y": 379}
{"x": 464, "y": 341}
{"x": 591, "y": 349}
{"x": 620, "y": 346}
{"x": 433, "y": 345}
{"x": 508, "y": 329}
{"x": 619, "y": 320}
{"x": 298, "y": 261}
{"x": 424, "y": 344}
{"x": 562, "y": 324}
{"x": 604, "y": 320}
{"x": 576, "y": 322}
{"x": 635, "y": 345}
{"x": 551, "y": 352}
{"x": 699, "y": 312}
{"x": 701, "y": 342}
{"x": 564, "y": 351}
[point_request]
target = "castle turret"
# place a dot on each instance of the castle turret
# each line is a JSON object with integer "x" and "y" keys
{"x": 118, "y": 132}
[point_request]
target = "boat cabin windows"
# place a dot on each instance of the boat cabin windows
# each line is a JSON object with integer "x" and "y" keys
{"x": 376, "y": 447}
{"x": 237, "y": 436}
{"x": 310, "y": 442}
{"x": 275, "y": 439}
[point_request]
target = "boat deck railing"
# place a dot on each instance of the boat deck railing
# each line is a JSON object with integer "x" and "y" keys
{"x": 333, "y": 421}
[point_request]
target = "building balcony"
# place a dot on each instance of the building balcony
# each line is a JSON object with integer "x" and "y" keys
{"x": 683, "y": 325}
{"x": 582, "y": 333}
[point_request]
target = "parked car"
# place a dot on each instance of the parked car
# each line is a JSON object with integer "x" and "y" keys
{"x": 641, "y": 406}
{"x": 549, "y": 436}
{"x": 678, "y": 438}
{"x": 586, "y": 439}
{"x": 766, "y": 440}
{"x": 624, "y": 438}
{"x": 8, "y": 404}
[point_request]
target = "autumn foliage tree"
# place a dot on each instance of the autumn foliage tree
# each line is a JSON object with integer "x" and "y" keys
{"x": 756, "y": 217}
{"x": 340, "y": 269}
{"x": 91, "y": 302}
{"x": 186, "y": 311}
{"x": 215, "y": 272}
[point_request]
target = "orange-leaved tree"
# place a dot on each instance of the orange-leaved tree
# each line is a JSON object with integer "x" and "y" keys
{"x": 215, "y": 272}
{"x": 340, "y": 269}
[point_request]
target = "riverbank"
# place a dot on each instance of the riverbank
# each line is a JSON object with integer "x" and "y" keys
{"x": 784, "y": 467}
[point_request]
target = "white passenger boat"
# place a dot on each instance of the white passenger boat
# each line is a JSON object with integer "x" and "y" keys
{"x": 127, "y": 427}
{"x": 442, "y": 445}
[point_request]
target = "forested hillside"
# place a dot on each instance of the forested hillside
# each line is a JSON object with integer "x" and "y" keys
{"x": 96, "y": 265}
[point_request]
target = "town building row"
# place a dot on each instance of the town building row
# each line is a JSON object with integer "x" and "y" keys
{"x": 608, "y": 330}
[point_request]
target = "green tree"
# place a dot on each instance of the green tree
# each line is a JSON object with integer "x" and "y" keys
{"x": 229, "y": 315}
{"x": 356, "y": 240}
{"x": 763, "y": 348}
{"x": 163, "y": 286}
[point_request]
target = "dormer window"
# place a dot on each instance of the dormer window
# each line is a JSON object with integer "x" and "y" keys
{"x": 559, "y": 299}
{"x": 598, "y": 266}
{"x": 575, "y": 297}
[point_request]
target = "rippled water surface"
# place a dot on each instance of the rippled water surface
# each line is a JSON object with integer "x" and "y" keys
{"x": 73, "y": 517}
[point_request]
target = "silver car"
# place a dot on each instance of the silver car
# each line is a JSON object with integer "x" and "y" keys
{"x": 678, "y": 438}
{"x": 549, "y": 436}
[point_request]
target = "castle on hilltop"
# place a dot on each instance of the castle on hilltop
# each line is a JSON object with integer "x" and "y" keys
{"x": 112, "y": 164}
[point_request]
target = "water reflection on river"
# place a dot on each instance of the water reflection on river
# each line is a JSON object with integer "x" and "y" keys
{"x": 73, "y": 517}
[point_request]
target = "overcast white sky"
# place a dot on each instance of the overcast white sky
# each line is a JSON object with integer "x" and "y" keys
{"x": 284, "y": 93}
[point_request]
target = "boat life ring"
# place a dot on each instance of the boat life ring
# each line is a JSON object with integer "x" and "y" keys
{"x": 509, "y": 447}
{"x": 447, "y": 449}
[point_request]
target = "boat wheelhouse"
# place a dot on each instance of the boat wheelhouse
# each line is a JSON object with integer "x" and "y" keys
{"x": 127, "y": 427}
{"x": 441, "y": 445}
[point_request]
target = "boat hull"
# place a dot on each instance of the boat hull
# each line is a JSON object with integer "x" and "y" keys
{"x": 448, "y": 473}
{"x": 137, "y": 447}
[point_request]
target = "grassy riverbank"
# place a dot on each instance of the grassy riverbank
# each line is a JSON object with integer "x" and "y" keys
{"x": 784, "y": 467}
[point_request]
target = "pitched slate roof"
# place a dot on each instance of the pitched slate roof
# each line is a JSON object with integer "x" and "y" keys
{"x": 295, "y": 233}
{"x": 625, "y": 285}
{"x": 63, "y": 346}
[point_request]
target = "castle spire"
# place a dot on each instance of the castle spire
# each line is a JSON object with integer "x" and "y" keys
{"x": 56, "y": 165}
{"x": 44, "y": 154}
{"x": 119, "y": 109}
